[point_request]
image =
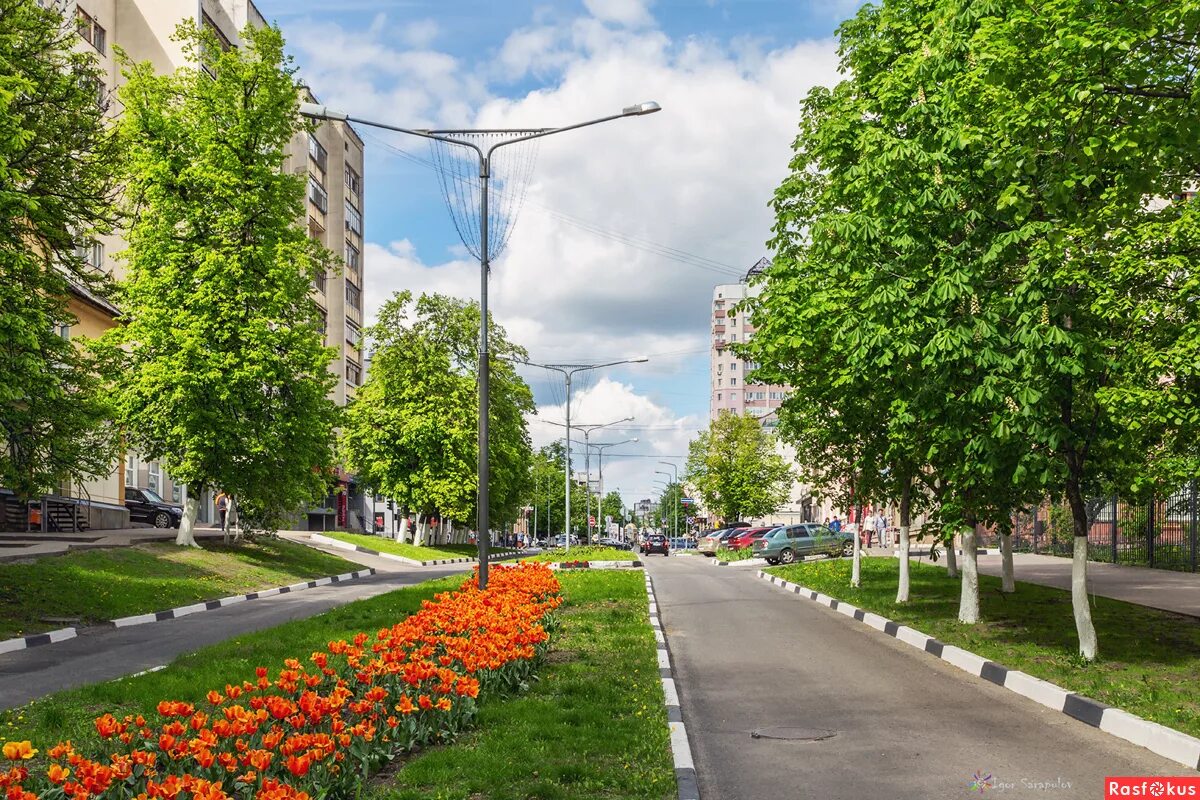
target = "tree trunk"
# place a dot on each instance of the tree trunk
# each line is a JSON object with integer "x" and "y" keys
{"x": 419, "y": 538}
{"x": 235, "y": 519}
{"x": 1008, "y": 582}
{"x": 1084, "y": 628}
{"x": 856, "y": 565}
{"x": 187, "y": 526}
{"x": 968, "y": 604}
{"x": 951, "y": 558}
{"x": 905, "y": 524}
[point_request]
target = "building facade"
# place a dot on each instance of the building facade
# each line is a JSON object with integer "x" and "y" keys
{"x": 729, "y": 392}
{"x": 330, "y": 159}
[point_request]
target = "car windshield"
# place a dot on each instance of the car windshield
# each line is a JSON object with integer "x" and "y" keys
{"x": 152, "y": 496}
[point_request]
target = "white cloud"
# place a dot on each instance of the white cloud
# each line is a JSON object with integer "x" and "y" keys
{"x": 662, "y": 435}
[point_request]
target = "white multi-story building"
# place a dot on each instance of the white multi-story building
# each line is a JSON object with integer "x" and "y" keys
{"x": 729, "y": 393}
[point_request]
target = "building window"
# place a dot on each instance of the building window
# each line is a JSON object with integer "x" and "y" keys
{"x": 320, "y": 282}
{"x": 353, "y": 333}
{"x": 733, "y": 337}
{"x": 718, "y": 381}
{"x": 353, "y": 181}
{"x": 222, "y": 40}
{"x": 718, "y": 397}
{"x": 353, "y": 373}
{"x": 322, "y": 322}
{"x": 62, "y": 330}
{"x": 130, "y": 469}
{"x": 90, "y": 253}
{"x": 733, "y": 367}
{"x": 353, "y": 296}
{"x": 317, "y": 152}
{"x": 153, "y": 477}
{"x": 354, "y": 261}
{"x": 353, "y": 219}
{"x": 90, "y": 30}
{"x": 176, "y": 493}
{"x": 317, "y": 194}
{"x": 733, "y": 381}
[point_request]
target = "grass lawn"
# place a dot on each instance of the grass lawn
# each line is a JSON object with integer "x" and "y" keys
{"x": 585, "y": 553}
{"x": 741, "y": 554}
{"x": 97, "y": 585}
{"x": 592, "y": 726}
{"x": 422, "y": 553}
{"x": 1149, "y": 659}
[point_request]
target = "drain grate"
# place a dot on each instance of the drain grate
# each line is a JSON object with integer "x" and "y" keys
{"x": 791, "y": 734}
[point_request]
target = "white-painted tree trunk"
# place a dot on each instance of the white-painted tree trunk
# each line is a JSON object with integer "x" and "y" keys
{"x": 419, "y": 539}
{"x": 234, "y": 520}
{"x": 951, "y": 558}
{"x": 402, "y": 530}
{"x": 1008, "y": 580}
{"x": 902, "y": 586}
{"x": 187, "y": 526}
{"x": 856, "y": 565}
{"x": 968, "y": 603}
{"x": 1079, "y": 600}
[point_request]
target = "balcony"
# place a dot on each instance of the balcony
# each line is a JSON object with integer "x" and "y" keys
{"x": 718, "y": 328}
{"x": 719, "y": 313}
{"x": 719, "y": 344}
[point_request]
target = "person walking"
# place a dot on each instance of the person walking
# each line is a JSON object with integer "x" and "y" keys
{"x": 836, "y": 525}
{"x": 222, "y": 502}
{"x": 880, "y": 526}
{"x": 867, "y": 531}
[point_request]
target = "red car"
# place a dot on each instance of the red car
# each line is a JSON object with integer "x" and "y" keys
{"x": 746, "y": 537}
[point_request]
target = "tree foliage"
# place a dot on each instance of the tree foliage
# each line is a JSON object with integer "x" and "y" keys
{"x": 411, "y": 431}
{"x": 219, "y": 370}
{"x": 58, "y": 160}
{"x": 735, "y": 468}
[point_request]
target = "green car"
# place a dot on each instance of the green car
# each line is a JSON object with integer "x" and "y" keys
{"x": 788, "y": 543}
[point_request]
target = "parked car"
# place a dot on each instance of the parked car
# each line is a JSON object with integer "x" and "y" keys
{"x": 561, "y": 541}
{"x": 656, "y": 543}
{"x": 683, "y": 543}
{"x": 618, "y": 544}
{"x": 788, "y": 543}
{"x": 745, "y": 537}
{"x": 146, "y": 506}
{"x": 708, "y": 544}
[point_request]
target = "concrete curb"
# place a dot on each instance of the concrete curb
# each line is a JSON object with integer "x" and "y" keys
{"x": 36, "y": 640}
{"x": 212, "y": 605}
{"x": 557, "y": 565}
{"x": 681, "y": 747}
{"x": 53, "y": 637}
{"x": 340, "y": 545}
{"x": 1158, "y": 739}
{"x": 979, "y": 551}
{"x": 745, "y": 562}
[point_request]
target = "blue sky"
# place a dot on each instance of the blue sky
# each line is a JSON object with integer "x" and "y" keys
{"x": 626, "y": 227}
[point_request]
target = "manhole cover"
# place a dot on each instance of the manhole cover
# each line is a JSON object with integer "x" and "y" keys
{"x": 793, "y": 734}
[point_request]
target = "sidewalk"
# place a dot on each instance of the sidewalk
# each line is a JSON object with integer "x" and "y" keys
{"x": 1156, "y": 588}
{"x": 15, "y": 545}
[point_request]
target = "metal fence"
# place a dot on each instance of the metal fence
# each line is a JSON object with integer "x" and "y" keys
{"x": 1157, "y": 532}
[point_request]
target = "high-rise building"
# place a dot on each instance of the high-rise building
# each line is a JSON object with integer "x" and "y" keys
{"x": 331, "y": 161}
{"x": 730, "y": 393}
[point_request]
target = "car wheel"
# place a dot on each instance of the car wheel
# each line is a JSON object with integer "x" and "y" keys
{"x": 848, "y": 548}
{"x": 772, "y": 561}
{"x": 162, "y": 520}
{"x": 787, "y": 556}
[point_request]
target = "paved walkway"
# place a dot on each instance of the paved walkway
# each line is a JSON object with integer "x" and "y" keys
{"x": 749, "y": 656}
{"x": 101, "y": 654}
{"x": 1157, "y": 588}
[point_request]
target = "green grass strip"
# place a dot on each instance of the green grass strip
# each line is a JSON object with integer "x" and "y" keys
{"x": 98, "y": 585}
{"x": 585, "y": 552}
{"x": 421, "y": 553}
{"x": 1149, "y": 659}
{"x": 593, "y": 727}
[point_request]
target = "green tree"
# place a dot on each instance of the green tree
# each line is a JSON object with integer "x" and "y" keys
{"x": 219, "y": 369}
{"x": 671, "y": 512}
{"x": 612, "y": 506}
{"x": 735, "y": 468}
{"x": 411, "y": 430}
{"x": 58, "y": 158}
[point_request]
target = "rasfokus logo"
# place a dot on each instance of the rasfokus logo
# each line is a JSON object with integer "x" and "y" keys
{"x": 1151, "y": 786}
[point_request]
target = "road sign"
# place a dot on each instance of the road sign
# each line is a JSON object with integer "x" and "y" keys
{"x": 608, "y": 519}
{"x": 687, "y": 501}
{"x": 591, "y": 520}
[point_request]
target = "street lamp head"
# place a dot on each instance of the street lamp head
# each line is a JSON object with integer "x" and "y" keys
{"x": 639, "y": 360}
{"x": 634, "y": 439}
{"x": 317, "y": 111}
{"x": 641, "y": 109}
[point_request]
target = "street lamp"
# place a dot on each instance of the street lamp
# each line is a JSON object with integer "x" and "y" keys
{"x": 674, "y": 503}
{"x": 600, "y": 446}
{"x": 568, "y": 372}
{"x": 679, "y": 496}
{"x": 587, "y": 464}
{"x": 316, "y": 111}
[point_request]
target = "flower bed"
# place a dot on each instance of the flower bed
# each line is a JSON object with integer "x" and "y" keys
{"x": 316, "y": 730}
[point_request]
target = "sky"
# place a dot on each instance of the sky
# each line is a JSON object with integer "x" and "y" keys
{"x": 625, "y": 227}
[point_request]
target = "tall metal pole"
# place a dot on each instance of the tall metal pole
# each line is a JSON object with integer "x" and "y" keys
{"x": 587, "y": 484}
{"x": 484, "y": 526}
{"x": 536, "y": 484}
{"x": 567, "y": 471}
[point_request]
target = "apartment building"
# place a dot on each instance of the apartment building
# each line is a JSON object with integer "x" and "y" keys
{"x": 730, "y": 393}
{"x": 330, "y": 159}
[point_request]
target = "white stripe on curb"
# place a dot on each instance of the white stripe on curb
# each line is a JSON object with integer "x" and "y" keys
{"x": 681, "y": 747}
{"x": 1164, "y": 741}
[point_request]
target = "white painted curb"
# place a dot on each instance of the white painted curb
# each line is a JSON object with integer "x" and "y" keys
{"x": 681, "y": 746}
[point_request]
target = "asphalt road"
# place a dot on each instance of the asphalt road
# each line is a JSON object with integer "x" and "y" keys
{"x": 748, "y": 656}
{"x": 101, "y": 654}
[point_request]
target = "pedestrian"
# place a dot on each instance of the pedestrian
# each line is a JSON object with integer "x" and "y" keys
{"x": 222, "y": 501}
{"x": 868, "y": 529}
{"x": 836, "y": 525}
{"x": 881, "y": 526}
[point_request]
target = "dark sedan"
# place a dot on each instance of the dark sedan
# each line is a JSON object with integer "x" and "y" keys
{"x": 656, "y": 543}
{"x": 146, "y": 506}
